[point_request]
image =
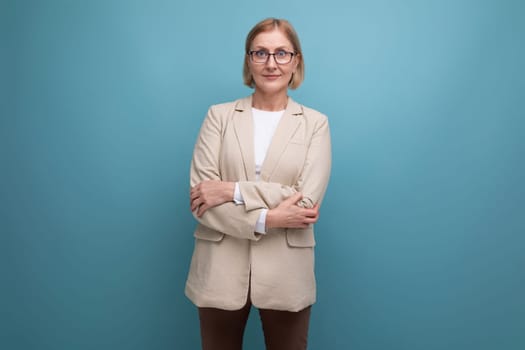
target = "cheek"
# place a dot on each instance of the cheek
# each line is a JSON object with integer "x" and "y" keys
{"x": 254, "y": 67}
{"x": 290, "y": 71}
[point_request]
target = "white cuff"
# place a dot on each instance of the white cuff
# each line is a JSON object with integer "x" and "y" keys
{"x": 237, "y": 195}
{"x": 260, "y": 226}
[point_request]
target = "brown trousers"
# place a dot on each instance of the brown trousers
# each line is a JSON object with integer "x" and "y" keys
{"x": 224, "y": 330}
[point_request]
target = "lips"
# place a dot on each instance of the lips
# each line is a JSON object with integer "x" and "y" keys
{"x": 271, "y": 77}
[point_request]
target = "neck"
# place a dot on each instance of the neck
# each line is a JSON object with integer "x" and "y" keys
{"x": 269, "y": 102}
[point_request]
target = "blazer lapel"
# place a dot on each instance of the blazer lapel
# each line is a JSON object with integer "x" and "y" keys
{"x": 286, "y": 128}
{"x": 243, "y": 125}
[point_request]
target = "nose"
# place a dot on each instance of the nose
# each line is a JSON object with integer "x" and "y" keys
{"x": 270, "y": 62}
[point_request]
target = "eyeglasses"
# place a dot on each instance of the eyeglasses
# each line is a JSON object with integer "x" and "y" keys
{"x": 280, "y": 56}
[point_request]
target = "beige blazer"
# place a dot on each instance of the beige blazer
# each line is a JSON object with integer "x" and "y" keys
{"x": 229, "y": 258}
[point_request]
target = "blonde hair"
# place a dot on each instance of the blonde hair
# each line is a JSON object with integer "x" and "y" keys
{"x": 284, "y": 26}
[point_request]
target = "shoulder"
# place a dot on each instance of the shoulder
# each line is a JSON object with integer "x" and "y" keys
{"x": 311, "y": 115}
{"x": 225, "y": 107}
{"x": 221, "y": 113}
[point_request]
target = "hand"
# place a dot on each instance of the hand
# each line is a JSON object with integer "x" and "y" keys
{"x": 209, "y": 194}
{"x": 289, "y": 214}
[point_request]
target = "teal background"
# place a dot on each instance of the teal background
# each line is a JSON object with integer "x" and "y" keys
{"x": 420, "y": 242}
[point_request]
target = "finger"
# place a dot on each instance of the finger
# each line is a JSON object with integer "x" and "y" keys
{"x": 195, "y": 204}
{"x": 310, "y": 220}
{"x": 310, "y": 212}
{"x": 194, "y": 192}
{"x": 194, "y": 196}
{"x": 201, "y": 210}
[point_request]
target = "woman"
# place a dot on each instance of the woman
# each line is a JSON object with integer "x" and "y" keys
{"x": 260, "y": 168}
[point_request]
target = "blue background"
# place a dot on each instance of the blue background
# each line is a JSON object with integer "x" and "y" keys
{"x": 421, "y": 237}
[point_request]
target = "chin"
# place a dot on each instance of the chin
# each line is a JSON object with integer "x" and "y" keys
{"x": 270, "y": 87}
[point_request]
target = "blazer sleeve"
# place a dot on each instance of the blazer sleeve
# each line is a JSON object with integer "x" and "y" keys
{"x": 312, "y": 181}
{"x": 228, "y": 218}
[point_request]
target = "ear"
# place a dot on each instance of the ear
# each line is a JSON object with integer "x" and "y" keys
{"x": 295, "y": 64}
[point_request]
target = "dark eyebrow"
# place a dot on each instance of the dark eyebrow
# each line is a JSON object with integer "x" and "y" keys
{"x": 280, "y": 48}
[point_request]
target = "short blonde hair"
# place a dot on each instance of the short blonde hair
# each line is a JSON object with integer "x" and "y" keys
{"x": 283, "y": 25}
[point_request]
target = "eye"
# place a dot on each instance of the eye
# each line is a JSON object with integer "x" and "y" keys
{"x": 281, "y": 53}
{"x": 261, "y": 53}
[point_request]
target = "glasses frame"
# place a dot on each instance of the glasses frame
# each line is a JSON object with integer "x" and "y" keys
{"x": 291, "y": 53}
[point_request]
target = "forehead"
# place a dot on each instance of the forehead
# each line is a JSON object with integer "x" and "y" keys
{"x": 272, "y": 39}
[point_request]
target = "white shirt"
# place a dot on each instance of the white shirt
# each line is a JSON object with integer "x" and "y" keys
{"x": 265, "y": 123}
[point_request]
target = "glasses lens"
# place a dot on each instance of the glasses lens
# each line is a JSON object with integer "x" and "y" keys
{"x": 259, "y": 56}
{"x": 283, "y": 57}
